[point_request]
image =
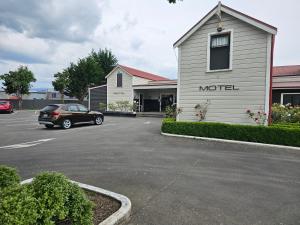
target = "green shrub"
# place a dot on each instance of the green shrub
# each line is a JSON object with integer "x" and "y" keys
{"x": 59, "y": 199}
{"x": 18, "y": 206}
{"x": 287, "y": 125}
{"x": 51, "y": 191}
{"x": 8, "y": 177}
{"x": 80, "y": 208}
{"x": 285, "y": 113}
{"x": 102, "y": 106}
{"x": 270, "y": 135}
{"x": 49, "y": 198}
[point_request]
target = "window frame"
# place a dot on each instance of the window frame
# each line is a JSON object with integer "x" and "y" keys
{"x": 287, "y": 93}
{"x": 230, "y": 32}
{"x": 119, "y": 73}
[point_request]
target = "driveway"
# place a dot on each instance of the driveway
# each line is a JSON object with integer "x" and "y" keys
{"x": 169, "y": 180}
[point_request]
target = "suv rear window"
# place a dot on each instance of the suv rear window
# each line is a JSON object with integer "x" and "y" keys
{"x": 50, "y": 108}
{"x": 3, "y": 103}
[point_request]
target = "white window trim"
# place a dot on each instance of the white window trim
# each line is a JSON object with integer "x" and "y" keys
{"x": 282, "y": 94}
{"x": 230, "y": 31}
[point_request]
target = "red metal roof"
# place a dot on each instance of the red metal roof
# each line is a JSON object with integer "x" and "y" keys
{"x": 286, "y": 70}
{"x": 143, "y": 74}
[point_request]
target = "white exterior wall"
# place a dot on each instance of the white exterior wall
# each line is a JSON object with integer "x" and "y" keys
{"x": 124, "y": 93}
{"x": 283, "y": 79}
{"x": 139, "y": 81}
{"x": 250, "y": 61}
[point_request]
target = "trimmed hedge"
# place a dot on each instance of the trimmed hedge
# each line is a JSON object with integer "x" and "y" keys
{"x": 279, "y": 135}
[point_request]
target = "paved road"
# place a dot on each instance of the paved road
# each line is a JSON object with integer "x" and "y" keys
{"x": 169, "y": 180}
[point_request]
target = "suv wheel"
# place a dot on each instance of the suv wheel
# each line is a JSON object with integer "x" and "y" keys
{"x": 49, "y": 126}
{"x": 98, "y": 120}
{"x": 66, "y": 124}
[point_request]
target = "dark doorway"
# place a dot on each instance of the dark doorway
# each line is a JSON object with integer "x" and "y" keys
{"x": 151, "y": 105}
{"x": 166, "y": 100}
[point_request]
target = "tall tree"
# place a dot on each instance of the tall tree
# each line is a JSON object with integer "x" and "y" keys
{"x": 107, "y": 61}
{"x": 18, "y": 82}
{"x": 60, "y": 83}
{"x": 81, "y": 76}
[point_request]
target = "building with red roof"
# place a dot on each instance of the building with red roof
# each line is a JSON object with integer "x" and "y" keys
{"x": 286, "y": 84}
{"x": 149, "y": 92}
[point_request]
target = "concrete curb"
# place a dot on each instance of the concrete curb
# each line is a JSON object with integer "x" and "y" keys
{"x": 232, "y": 141}
{"x": 120, "y": 216}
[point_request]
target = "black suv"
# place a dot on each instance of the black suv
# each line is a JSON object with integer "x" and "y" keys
{"x": 66, "y": 115}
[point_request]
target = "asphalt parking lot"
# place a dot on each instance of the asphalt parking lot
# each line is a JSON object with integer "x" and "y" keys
{"x": 169, "y": 180}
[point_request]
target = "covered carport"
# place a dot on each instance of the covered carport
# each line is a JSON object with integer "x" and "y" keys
{"x": 155, "y": 96}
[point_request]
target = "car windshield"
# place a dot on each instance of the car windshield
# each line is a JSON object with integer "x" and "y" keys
{"x": 3, "y": 103}
{"x": 50, "y": 108}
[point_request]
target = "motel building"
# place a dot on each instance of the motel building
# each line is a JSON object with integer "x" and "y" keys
{"x": 225, "y": 62}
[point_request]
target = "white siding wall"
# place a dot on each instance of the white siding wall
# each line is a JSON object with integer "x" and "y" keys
{"x": 139, "y": 81}
{"x": 248, "y": 73}
{"x": 283, "y": 79}
{"x": 124, "y": 93}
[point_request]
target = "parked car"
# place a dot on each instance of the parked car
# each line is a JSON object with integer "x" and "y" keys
{"x": 66, "y": 115}
{"x": 6, "y": 106}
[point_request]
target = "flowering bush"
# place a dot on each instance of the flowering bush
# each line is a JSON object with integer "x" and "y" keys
{"x": 201, "y": 110}
{"x": 259, "y": 117}
{"x": 285, "y": 113}
{"x": 172, "y": 111}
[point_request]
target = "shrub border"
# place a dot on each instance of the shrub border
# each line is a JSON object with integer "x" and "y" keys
{"x": 232, "y": 141}
{"x": 120, "y": 216}
{"x": 234, "y": 133}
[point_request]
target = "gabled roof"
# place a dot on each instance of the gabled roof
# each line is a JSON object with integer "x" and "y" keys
{"x": 139, "y": 73}
{"x": 286, "y": 70}
{"x": 223, "y": 8}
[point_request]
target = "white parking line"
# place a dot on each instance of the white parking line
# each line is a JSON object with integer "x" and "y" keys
{"x": 26, "y": 144}
{"x": 20, "y": 124}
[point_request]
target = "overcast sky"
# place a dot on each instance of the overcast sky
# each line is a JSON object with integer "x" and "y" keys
{"x": 46, "y": 35}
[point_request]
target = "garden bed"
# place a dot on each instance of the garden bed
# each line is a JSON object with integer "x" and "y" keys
{"x": 104, "y": 207}
{"x": 51, "y": 198}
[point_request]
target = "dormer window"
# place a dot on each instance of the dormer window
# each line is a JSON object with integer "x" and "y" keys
{"x": 219, "y": 51}
{"x": 119, "y": 80}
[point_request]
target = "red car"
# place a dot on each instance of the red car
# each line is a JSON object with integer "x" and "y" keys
{"x": 6, "y": 106}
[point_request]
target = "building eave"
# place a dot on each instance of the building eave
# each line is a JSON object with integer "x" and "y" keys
{"x": 239, "y": 15}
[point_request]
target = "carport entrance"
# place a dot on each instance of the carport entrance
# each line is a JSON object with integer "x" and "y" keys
{"x": 154, "y": 100}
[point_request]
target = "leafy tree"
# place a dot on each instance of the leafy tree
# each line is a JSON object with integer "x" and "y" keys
{"x": 82, "y": 75}
{"x": 60, "y": 83}
{"x": 107, "y": 61}
{"x": 18, "y": 82}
